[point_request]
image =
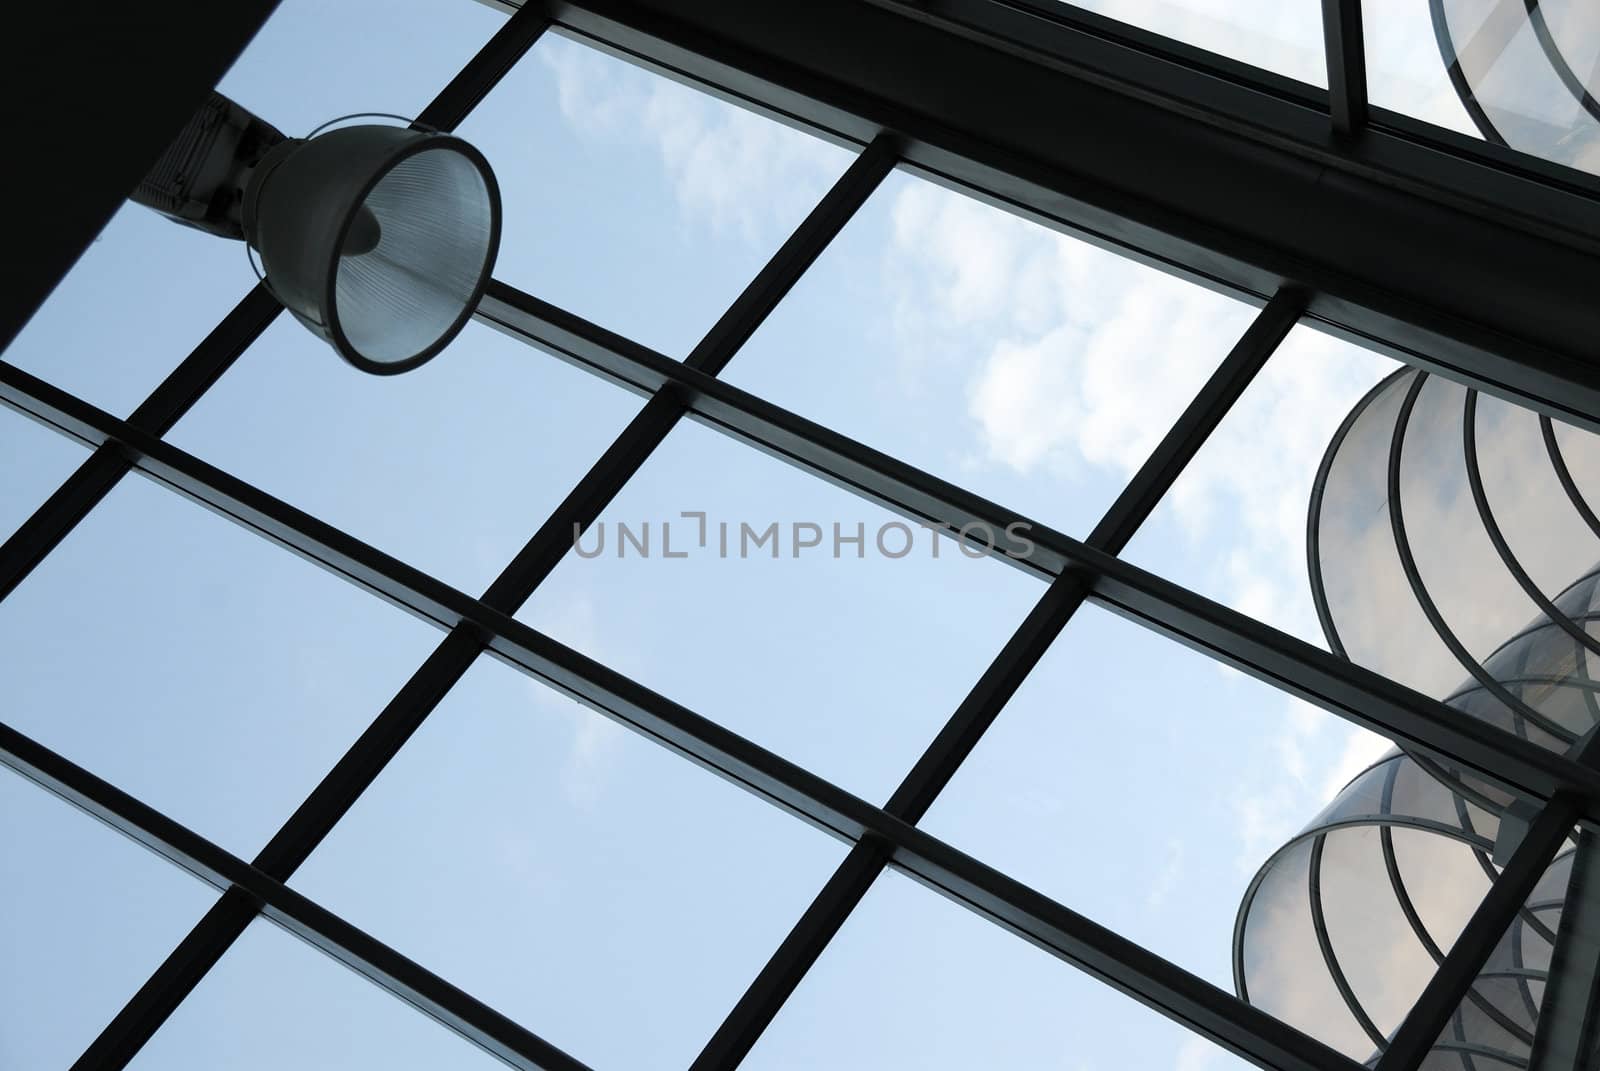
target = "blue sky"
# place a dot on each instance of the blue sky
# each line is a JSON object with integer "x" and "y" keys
{"x": 608, "y": 895}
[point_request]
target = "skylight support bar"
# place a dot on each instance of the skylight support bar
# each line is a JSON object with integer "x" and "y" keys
{"x": 416, "y": 985}
{"x": 1347, "y": 66}
{"x": 805, "y": 943}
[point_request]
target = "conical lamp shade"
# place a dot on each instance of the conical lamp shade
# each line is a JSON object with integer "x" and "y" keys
{"x": 380, "y": 239}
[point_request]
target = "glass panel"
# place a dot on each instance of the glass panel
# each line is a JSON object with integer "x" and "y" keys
{"x": 1187, "y": 782}
{"x": 570, "y": 873}
{"x": 85, "y": 916}
{"x": 635, "y": 201}
{"x": 452, "y": 466}
{"x": 148, "y": 290}
{"x": 1032, "y": 368}
{"x": 34, "y": 461}
{"x": 197, "y": 666}
{"x": 1515, "y": 74}
{"x": 1233, "y": 527}
{"x": 913, "y": 980}
{"x": 274, "y": 1002}
{"x": 845, "y": 664}
{"x": 1285, "y": 38}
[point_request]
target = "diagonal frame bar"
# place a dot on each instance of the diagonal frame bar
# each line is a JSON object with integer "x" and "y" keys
{"x": 205, "y": 945}
{"x": 938, "y": 764}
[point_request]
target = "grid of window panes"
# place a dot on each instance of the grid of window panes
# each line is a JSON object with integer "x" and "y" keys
{"x": 929, "y": 442}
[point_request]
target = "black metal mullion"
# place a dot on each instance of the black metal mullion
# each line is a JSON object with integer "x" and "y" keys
{"x": 938, "y": 764}
{"x": 1345, "y": 49}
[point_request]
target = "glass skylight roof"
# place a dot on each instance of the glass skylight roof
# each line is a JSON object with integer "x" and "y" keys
{"x": 494, "y": 794}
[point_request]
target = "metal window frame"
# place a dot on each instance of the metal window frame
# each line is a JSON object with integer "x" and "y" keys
{"x": 1318, "y": 152}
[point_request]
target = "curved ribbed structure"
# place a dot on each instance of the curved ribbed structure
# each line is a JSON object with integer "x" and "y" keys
{"x": 1452, "y": 547}
{"x": 1527, "y": 73}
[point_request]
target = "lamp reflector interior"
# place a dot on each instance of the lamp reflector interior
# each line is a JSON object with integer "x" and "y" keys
{"x": 413, "y": 256}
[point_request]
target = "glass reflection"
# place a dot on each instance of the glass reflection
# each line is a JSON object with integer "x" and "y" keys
{"x": 1517, "y": 74}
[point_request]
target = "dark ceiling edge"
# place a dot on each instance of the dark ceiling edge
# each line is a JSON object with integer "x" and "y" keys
{"x": 1463, "y": 284}
{"x": 97, "y": 92}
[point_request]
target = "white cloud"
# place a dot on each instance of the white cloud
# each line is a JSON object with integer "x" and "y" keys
{"x": 1084, "y": 359}
{"x": 732, "y": 169}
{"x": 1195, "y": 1054}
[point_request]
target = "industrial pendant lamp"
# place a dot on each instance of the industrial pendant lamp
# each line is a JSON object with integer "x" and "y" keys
{"x": 378, "y": 238}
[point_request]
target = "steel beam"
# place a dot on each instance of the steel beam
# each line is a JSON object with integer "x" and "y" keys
{"x": 1462, "y": 260}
